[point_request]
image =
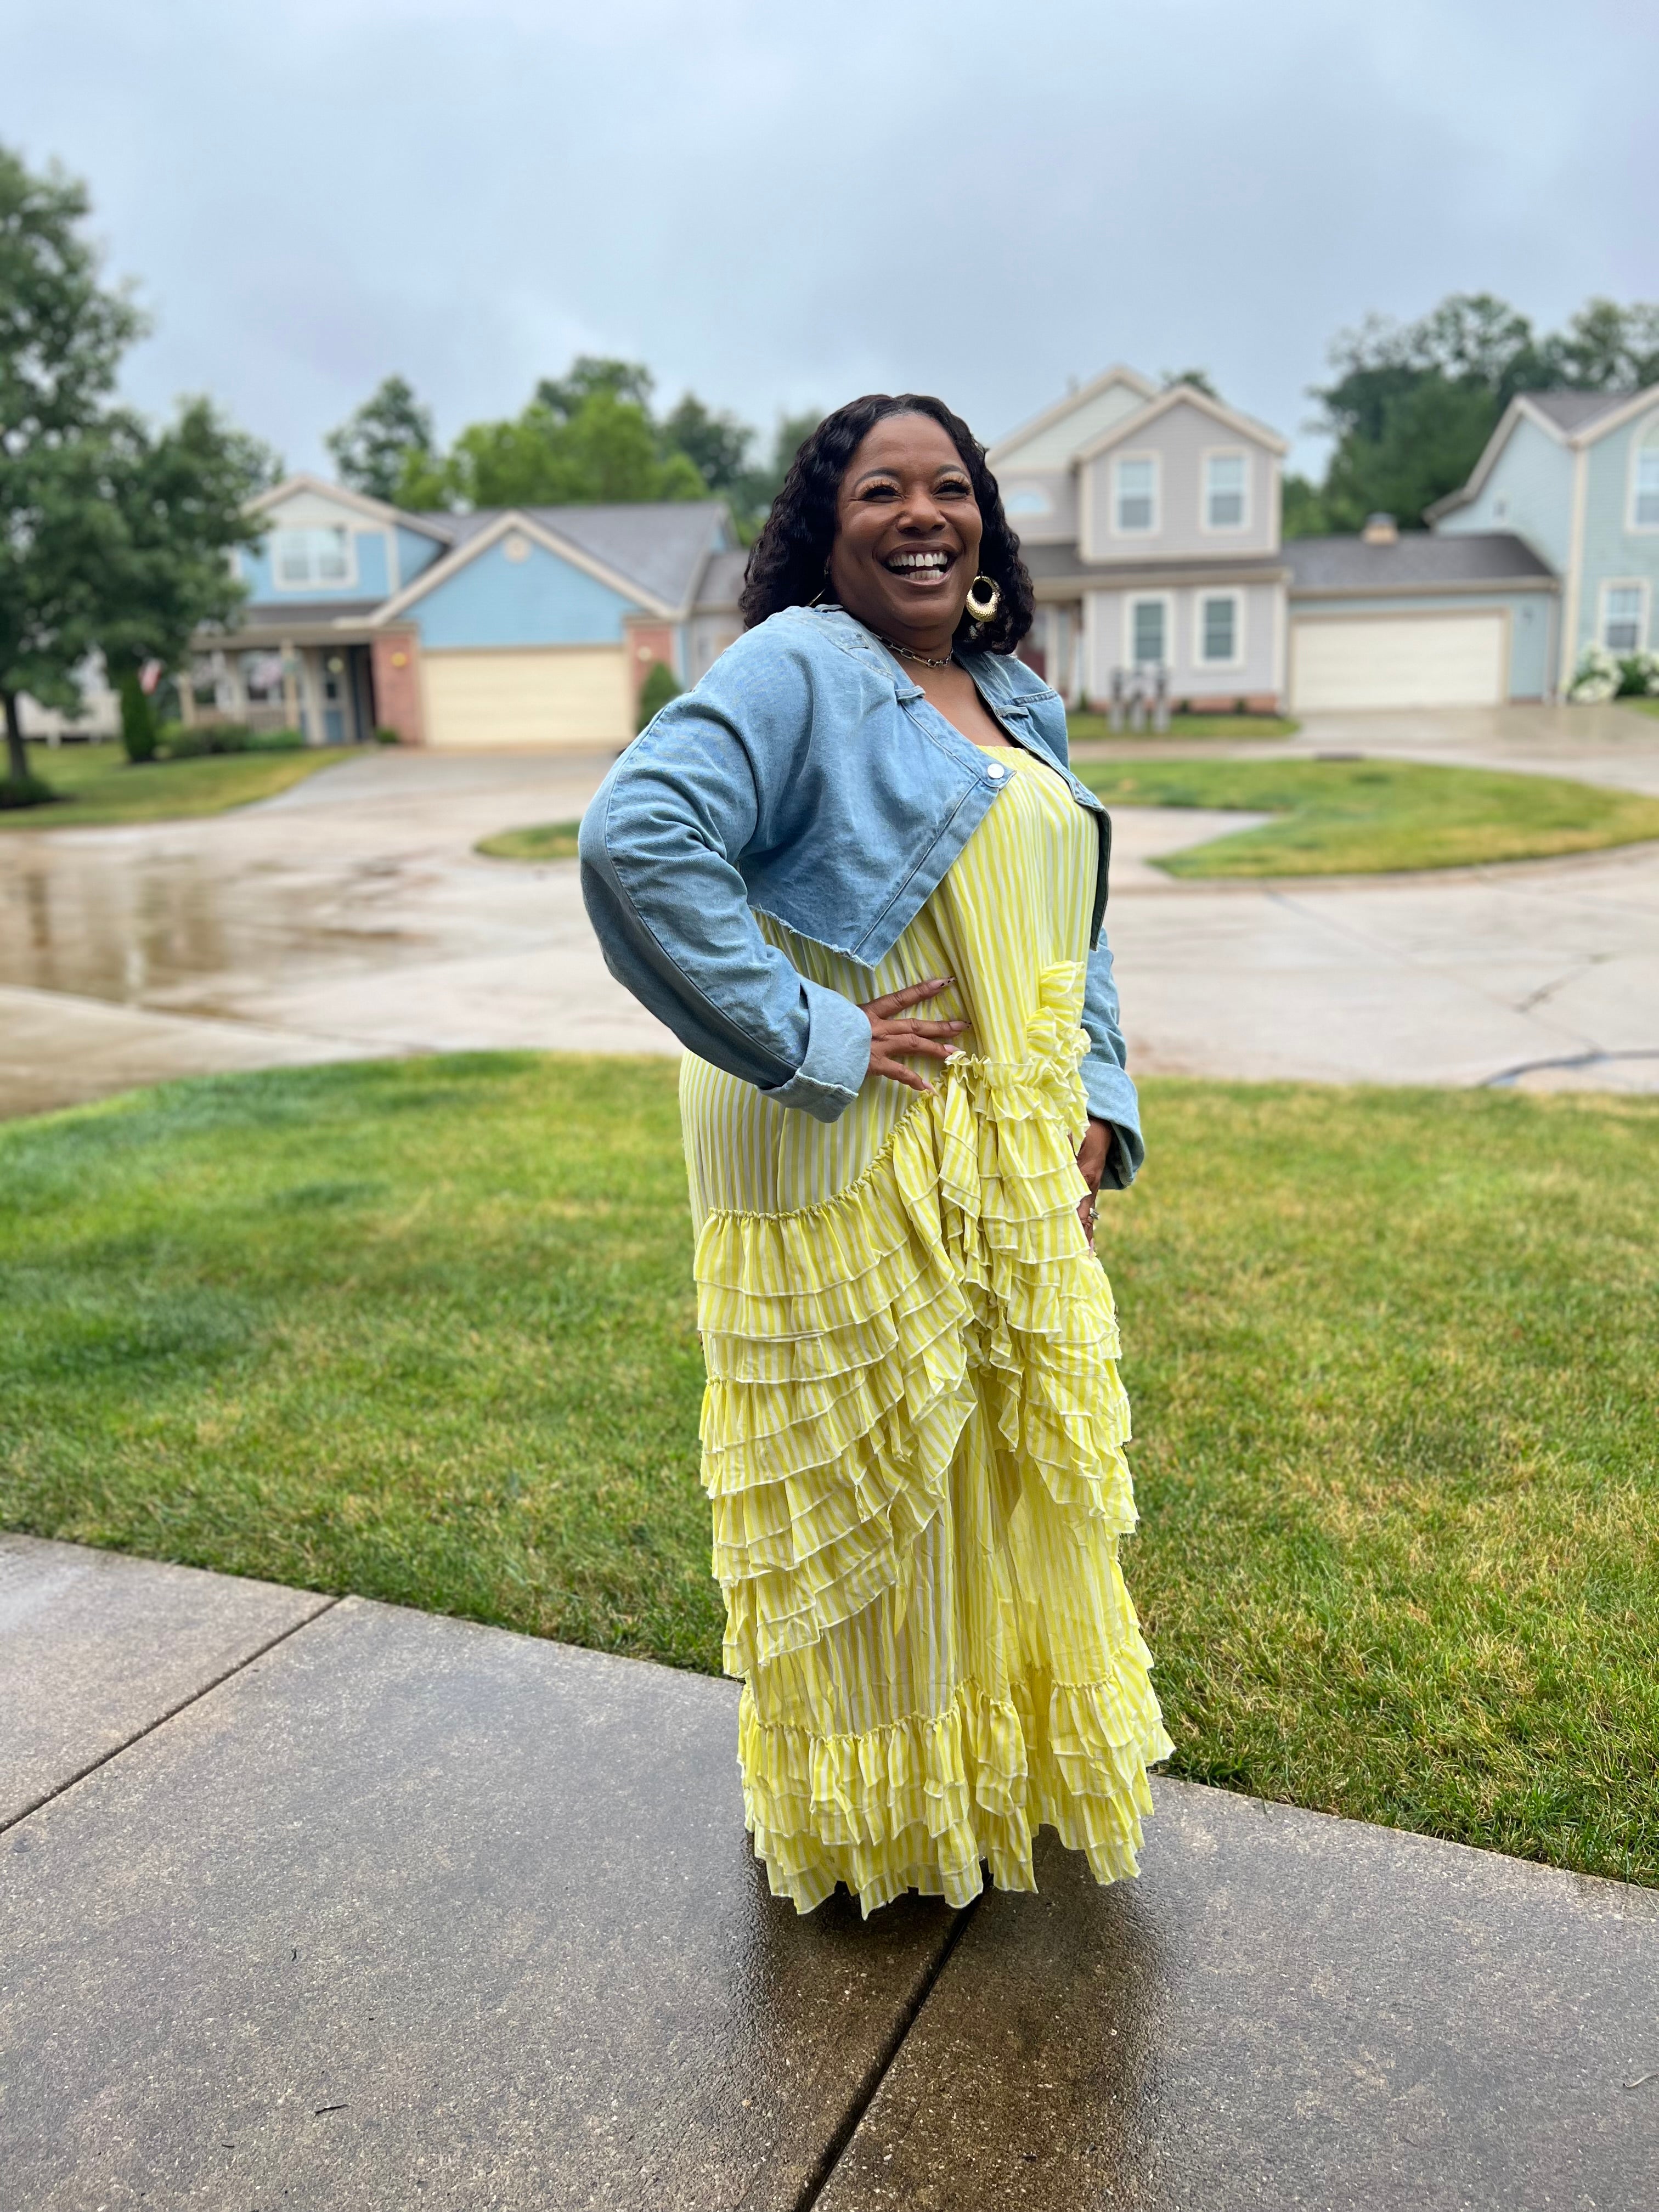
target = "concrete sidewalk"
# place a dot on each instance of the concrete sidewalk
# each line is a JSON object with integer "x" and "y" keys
{"x": 321, "y": 1905}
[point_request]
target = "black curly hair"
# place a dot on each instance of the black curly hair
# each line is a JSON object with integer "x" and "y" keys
{"x": 788, "y": 564}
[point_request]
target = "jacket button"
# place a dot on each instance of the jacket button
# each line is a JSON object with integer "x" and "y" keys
{"x": 996, "y": 771}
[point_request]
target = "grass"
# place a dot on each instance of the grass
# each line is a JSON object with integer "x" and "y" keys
{"x": 1085, "y": 727}
{"x": 1642, "y": 706}
{"x": 425, "y": 1331}
{"x": 1340, "y": 817}
{"x": 98, "y": 784}
{"x": 545, "y": 841}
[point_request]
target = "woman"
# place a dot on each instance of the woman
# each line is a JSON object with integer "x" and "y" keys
{"x": 852, "y": 873}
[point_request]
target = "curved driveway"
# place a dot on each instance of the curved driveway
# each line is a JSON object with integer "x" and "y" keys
{"x": 350, "y": 917}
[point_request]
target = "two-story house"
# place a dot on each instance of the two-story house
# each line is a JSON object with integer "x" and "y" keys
{"x": 1576, "y": 474}
{"x": 1149, "y": 520}
{"x": 508, "y": 627}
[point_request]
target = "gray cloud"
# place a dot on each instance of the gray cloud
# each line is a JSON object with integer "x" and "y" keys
{"x": 778, "y": 206}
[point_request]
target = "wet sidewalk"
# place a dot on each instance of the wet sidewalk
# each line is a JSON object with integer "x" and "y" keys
{"x": 351, "y": 917}
{"x": 321, "y": 1904}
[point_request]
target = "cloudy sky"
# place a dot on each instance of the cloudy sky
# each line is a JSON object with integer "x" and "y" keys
{"x": 781, "y": 205}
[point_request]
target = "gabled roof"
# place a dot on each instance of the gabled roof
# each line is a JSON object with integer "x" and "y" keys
{"x": 655, "y": 548}
{"x": 721, "y": 581}
{"x": 1070, "y": 405}
{"x": 532, "y": 524}
{"x": 1184, "y": 395}
{"x": 1574, "y": 419}
{"x": 1415, "y": 560}
{"x": 440, "y": 526}
{"x": 1575, "y": 410}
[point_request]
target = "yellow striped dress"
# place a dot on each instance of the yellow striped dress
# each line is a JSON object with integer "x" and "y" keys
{"x": 913, "y": 1428}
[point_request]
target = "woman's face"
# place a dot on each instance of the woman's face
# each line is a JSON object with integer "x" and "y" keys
{"x": 907, "y": 532}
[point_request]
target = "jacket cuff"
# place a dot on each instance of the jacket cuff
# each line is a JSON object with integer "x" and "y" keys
{"x": 1112, "y": 1098}
{"x": 837, "y": 1058}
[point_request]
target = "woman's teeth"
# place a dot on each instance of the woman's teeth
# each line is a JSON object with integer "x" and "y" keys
{"x": 919, "y": 564}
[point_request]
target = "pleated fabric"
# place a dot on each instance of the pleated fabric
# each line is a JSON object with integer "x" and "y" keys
{"x": 913, "y": 1430}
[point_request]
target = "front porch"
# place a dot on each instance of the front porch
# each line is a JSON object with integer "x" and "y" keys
{"x": 315, "y": 676}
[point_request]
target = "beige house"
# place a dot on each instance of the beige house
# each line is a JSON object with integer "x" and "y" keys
{"x": 1149, "y": 520}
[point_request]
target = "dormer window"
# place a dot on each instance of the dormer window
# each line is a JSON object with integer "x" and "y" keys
{"x": 1134, "y": 495}
{"x": 307, "y": 559}
{"x": 1226, "y": 485}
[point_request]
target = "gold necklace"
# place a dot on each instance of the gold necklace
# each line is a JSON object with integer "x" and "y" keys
{"x": 905, "y": 652}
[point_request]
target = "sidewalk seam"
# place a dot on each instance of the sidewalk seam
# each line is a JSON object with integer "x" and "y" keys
{"x": 882, "y": 2065}
{"x": 149, "y": 1728}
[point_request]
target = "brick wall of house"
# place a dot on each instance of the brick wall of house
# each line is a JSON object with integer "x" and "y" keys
{"x": 648, "y": 641}
{"x": 397, "y": 683}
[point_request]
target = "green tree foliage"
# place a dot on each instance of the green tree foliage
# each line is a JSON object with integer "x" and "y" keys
{"x": 659, "y": 686}
{"x": 588, "y": 436}
{"x": 1411, "y": 405}
{"x": 112, "y": 535}
{"x": 717, "y": 445}
{"x": 1199, "y": 378}
{"x": 372, "y": 448}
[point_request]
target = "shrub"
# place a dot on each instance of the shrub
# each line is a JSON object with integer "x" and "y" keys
{"x": 25, "y": 791}
{"x": 1240, "y": 706}
{"x": 659, "y": 688}
{"x": 384, "y": 736}
{"x": 1603, "y": 674}
{"x": 139, "y": 734}
{"x": 205, "y": 738}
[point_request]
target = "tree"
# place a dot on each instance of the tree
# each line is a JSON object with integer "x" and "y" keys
{"x": 717, "y": 445}
{"x": 565, "y": 396}
{"x": 374, "y": 446}
{"x": 61, "y": 340}
{"x": 1413, "y": 404}
{"x": 1198, "y": 378}
{"x": 112, "y": 537}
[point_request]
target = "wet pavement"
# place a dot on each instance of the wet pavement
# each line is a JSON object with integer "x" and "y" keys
{"x": 331, "y": 1903}
{"x": 350, "y": 916}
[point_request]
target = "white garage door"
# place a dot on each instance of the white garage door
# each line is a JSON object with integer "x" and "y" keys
{"x": 1398, "y": 660}
{"x": 570, "y": 697}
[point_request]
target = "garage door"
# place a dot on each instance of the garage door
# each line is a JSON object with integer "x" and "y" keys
{"x": 1398, "y": 660}
{"x": 572, "y": 696}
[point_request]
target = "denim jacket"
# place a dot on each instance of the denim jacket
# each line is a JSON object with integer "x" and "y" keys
{"x": 806, "y": 777}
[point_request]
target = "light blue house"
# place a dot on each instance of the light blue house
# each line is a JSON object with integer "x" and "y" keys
{"x": 1576, "y": 474}
{"x": 510, "y": 627}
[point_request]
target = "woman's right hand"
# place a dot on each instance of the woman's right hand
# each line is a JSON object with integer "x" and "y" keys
{"x": 893, "y": 1039}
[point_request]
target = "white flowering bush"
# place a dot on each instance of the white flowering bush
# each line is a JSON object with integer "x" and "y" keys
{"x": 1603, "y": 675}
{"x": 1597, "y": 677}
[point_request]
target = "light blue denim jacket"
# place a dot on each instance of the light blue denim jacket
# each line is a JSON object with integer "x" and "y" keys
{"x": 806, "y": 777}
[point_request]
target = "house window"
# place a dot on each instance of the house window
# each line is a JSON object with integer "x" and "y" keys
{"x": 302, "y": 557}
{"x": 1647, "y": 487}
{"x": 1225, "y": 488}
{"x": 1147, "y": 624}
{"x": 1135, "y": 498}
{"x": 1217, "y": 627}
{"x": 1622, "y": 612}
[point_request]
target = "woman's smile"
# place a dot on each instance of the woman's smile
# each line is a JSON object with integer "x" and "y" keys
{"x": 926, "y": 570}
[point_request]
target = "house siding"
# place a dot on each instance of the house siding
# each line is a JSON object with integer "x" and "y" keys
{"x": 1257, "y": 674}
{"x": 539, "y": 600}
{"x": 416, "y": 553}
{"x": 1180, "y": 438}
{"x": 1528, "y": 491}
{"x": 1612, "y": 551}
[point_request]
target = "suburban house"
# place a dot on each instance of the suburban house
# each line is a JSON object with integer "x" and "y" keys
{"x": 1149, "y": 520}
{"x": 1576, "y": 474}
{"x": 528, "y": 626}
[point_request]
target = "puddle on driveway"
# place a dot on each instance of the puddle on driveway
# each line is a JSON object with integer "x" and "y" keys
{"x": 154, "y": 929}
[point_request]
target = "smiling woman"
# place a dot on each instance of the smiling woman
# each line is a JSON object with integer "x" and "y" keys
{"x": 852, "y": 870}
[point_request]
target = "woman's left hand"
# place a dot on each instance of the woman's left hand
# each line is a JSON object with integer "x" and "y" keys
{"x": 1091, "y": 1156}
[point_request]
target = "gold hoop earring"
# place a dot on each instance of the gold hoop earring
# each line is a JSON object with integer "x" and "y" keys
{"x": 982, "y": 606}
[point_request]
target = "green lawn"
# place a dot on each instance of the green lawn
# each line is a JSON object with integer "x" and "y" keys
{"x": 425, "y": 1331}
{"x": 545, "y": 841}
{"x": 1642, "y": 706}
{"x": 1085, "y": 727}
{"x": 97, "y": 783}
{"x": 1341, "y": 818}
